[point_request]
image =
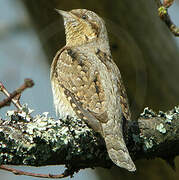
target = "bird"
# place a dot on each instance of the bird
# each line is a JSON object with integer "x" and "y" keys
{"x": 87, "y": 84}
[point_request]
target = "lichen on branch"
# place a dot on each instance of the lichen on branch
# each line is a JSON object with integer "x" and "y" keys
{"x": 42, "y": 140}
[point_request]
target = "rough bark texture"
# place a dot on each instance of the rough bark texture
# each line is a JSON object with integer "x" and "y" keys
{"x": 43, "y": 140}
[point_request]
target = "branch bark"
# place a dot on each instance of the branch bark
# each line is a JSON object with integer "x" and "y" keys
{"x": 42, "y": 140}
{"x": 163, "y": 13}
{"x": 15, "y": 95}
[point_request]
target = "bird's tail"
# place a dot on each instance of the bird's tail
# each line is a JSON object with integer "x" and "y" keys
{"x": 116, "y": 147}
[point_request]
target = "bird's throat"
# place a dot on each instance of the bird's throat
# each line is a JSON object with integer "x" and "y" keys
{"x": 78, "y": 34}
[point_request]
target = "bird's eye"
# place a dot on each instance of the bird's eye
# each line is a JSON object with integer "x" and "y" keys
{"x": 84, "y": 16}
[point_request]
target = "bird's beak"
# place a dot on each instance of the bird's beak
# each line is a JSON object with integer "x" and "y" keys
{"x": 65, "y": 14}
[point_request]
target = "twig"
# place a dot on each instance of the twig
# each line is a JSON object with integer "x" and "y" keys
{"x": 28, "y": 83}
{"x": 167, "y": 3}
{"x": 163, "y": 13}
{"x": 66, "y": 173}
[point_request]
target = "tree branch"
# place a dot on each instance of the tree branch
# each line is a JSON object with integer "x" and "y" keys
{"x": 163, "y": 13}
{"x": 19, "y": 172}
{"x": 43, "y": 140}
{"x": 14, "y": 96}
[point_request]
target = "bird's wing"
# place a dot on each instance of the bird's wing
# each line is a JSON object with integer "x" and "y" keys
{"x": 107, "y": 60}
{"x": 82, "y": 86}
{"x": 124, "y": 100}
{"x": 112, "y": 129}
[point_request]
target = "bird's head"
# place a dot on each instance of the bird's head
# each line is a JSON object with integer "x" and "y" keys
{"x": 82, "y": 26}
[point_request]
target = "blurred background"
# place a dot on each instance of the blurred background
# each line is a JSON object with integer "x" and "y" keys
{"x": 146, "y": 52}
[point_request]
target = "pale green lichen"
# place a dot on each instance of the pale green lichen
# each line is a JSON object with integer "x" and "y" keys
{"x": 24, "y": 113}
{"x": 169, "y": 118}
{"x": 161, "y": 128}
{"x": 171, "y": 115}
{"x": 10, "y": 113}
{"x": 161, "y": 114}
{"x": 148, "y": 113}
{"x": 176, "y": 109}
{"x": 34, "y": 140}
{"x": 26, "y": 109}
{"x": 148, "y": 143}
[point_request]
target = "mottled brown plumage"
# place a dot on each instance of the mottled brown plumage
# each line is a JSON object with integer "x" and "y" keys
{"x": 87, "y": 84}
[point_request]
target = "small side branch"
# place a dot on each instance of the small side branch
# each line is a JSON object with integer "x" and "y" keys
{"x": 163, "y": 13}
{"x": 14, "y": 96}
{"x": 19, "y": 172}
